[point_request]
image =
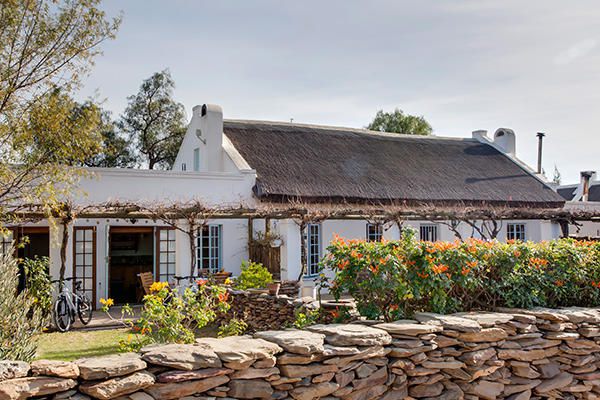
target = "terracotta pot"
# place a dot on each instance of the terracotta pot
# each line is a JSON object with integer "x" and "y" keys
{"x": 273, "y": 288}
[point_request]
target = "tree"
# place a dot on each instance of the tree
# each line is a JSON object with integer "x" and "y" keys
{"x": 399, "y": 122}
{"x": 155, "y": 122}
{"x": 115, "y": 152}
{"x": 46, "y": 47}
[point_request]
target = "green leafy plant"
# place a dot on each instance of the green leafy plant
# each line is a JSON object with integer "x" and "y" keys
{"x": 253, "y": 276}
{"x": 392, "y": 280}
{"x": 170, "y": 317}
{"x": 306, "y": 317}
{"x": 38, "y": 282}
{"x": 21, "y": 319}
{"x": 234, "y": 327}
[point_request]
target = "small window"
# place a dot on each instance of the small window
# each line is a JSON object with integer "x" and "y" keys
{"x": 374, "y": 232}
{"x": 183, "y": 167}
{"x": 166, "y": 254}
{"x": 6, "y": 239}
{"x": 209, "y": 250}
{"x": 197, "y": 159}
{"x": 515, "y": 232}
{"x": 313, "y": 249}
{"x": 429, "y": 233}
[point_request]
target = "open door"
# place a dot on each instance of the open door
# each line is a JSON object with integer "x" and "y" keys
{"x": 131, "y": 252}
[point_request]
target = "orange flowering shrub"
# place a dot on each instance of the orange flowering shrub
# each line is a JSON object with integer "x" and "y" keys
{"x": 392, "y": 280}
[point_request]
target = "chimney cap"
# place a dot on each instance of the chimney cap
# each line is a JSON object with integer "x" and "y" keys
{"x": 540, "y": 134}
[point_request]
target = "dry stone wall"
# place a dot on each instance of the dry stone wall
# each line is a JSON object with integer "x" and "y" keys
{"x": 514, "y": 354}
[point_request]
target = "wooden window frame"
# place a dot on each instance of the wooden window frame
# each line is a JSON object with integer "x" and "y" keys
{"x": 94, "y": 255}
{"x": 158, "y": 253}
{"x": 512, "y": 231}
{"x": 314, "y": 250}
{"x": 431, "y": 228}
{"x": 211, "y": 246}
{"x": 374, "y": 232}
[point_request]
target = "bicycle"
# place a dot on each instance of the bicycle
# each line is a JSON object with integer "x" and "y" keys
{"x": 67, "y": 304}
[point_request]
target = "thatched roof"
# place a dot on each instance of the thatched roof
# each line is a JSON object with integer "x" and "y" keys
{"x": 316, "y": 163}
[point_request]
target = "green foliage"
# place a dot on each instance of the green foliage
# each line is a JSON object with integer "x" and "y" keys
{"x": 392, "y": 280}
{"x": 155, "y": 122}
{"x": 234, "y": 327}
{"x": 253, "y": 276}
{"x": 399, "y": 122}
{"x": 170, "y": 317}
{"x": 115, "y": 150}
{"x": 306, "y": 317}
{"x": 20, "y": 317}
{"x": 38, "y": 282}
{"x": 46, "y": 47}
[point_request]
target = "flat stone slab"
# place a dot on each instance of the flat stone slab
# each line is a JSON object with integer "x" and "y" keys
{"x": 408, "y": 328}
{"x": 448, "y": 322}
{"x": 352, "y": 335}
{"x": 171, "y": 391}
{"x": 61, "y": 369}
{"x": 13, "y": 369}
{"x": 295, "y": 341}
{"x": 486, "y": 319}
{"x": 187, "y": 357}
{"x": 119, "y": 386}
{"x": 182, "y": 376}
{"x": 236, "y": 349}
{"x": 109, "y": 366}
{"x": 24, "y": 388}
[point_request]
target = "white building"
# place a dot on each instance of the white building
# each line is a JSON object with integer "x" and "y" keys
{"x": 583, "y": 196}
{"x": 232, "y": 163}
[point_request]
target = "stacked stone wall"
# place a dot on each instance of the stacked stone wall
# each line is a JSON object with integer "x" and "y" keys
{"x": 514, "y": 354}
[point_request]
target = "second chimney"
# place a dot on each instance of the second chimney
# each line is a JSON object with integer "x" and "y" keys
{"x": 540, "y": 136}
{"x": 586, "y": 176}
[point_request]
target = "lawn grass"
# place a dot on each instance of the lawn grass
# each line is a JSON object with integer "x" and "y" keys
{"x": 69, "y": 346}
{"x": 72, "y": 345}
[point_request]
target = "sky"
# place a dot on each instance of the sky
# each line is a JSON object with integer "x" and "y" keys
{"x": 464, "y": 65}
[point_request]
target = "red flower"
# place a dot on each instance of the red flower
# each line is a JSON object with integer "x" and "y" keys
{"x": 201, "y": 282}
{"x": 223, "y": 297}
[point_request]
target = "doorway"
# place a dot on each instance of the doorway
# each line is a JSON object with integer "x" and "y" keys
{"x": 131, "y": 251}
{"x": 33, "y": 242}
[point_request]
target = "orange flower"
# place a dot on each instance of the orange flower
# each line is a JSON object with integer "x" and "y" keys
{"x": 472, "y": 264}
{"x": 440, "y": 268}
{"x": 465, "y": 271}
{"x": 559, "y": 283}
{"x": 517, "y": 253}
{"x": 201, "y": 282}
{"x": 343, "y": 264}
{"x": 374, "y": 268}
{"x": 394, "y": 307}
{"x": 223, "y": 297}
{"x": 538, "y": 262}
{"x": 596, "y": 284}
{"x": 422, "y": 275}
{"x": 411, "y": 263}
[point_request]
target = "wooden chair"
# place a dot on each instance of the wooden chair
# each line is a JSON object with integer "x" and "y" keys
{"x": 146, "y": 280}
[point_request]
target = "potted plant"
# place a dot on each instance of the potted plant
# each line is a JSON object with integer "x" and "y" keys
{"x": 274, "y": 287}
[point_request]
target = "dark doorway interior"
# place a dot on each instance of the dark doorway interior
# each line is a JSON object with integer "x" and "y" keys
{"x": 131, "y": 252}
{"x": 35, "y": 242}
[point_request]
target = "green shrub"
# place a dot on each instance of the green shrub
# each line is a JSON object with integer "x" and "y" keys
{"x": 38, "y": 282}
{"x": 306, "y": 317}
{"x": 253, "y": 276}
{"x": 392, "y": 280}
{"x": 234, "y": 327}
{"x": 20, "y": 318}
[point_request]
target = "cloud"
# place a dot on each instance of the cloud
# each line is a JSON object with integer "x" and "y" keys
{"x": 576, "y": 51}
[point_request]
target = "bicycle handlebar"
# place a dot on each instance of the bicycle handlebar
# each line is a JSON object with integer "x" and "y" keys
{"x": 63, "y": 280}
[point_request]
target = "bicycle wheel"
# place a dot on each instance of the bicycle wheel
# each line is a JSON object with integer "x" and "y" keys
{"x": 84, "y": 309}
{"x": 61, "y": 314}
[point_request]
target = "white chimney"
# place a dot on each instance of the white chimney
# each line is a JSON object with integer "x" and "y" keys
{"x": 210, "y": 134}
{"x": 480, "y": 135}
{"x": 505, "y": 140}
